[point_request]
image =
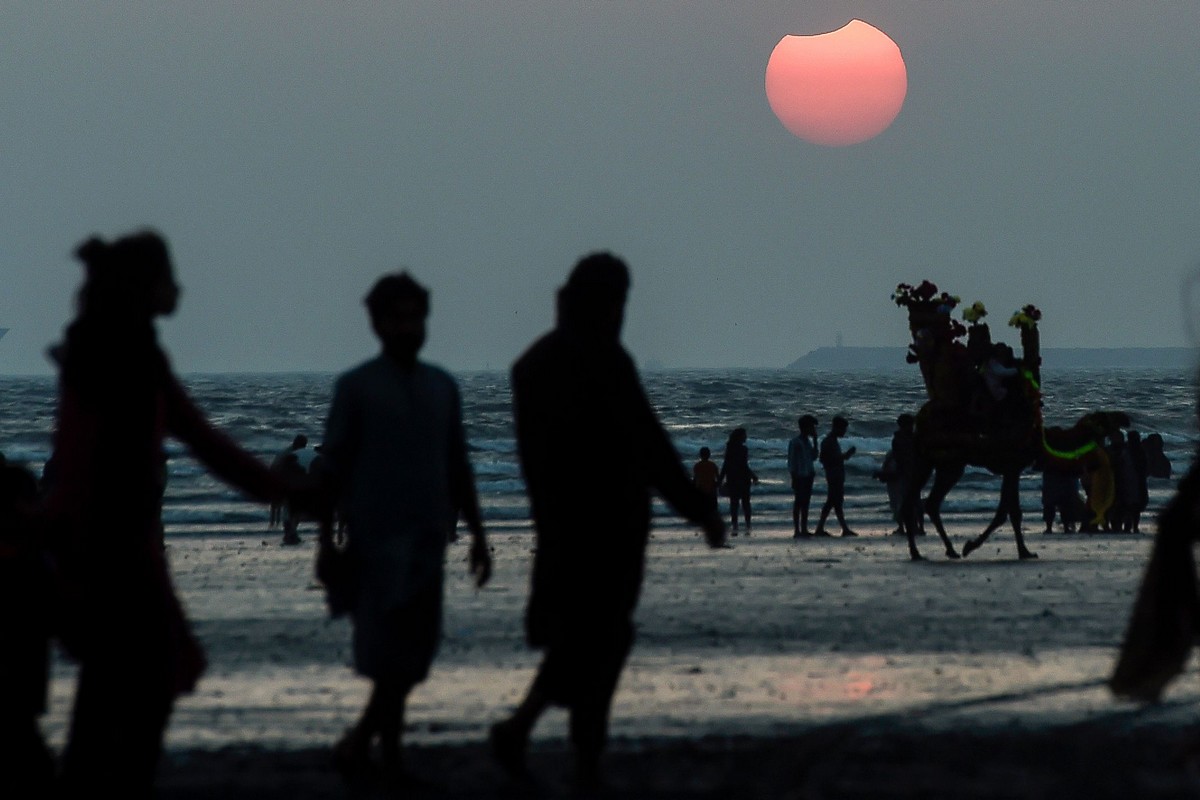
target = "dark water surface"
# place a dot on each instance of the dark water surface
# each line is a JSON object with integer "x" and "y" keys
{"x": 698, "y": 407}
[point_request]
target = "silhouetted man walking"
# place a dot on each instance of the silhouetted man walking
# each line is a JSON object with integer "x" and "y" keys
{"x": 833, "y": 459}
{"x": 396, "y": 455}
{"x": 588, "y": 565}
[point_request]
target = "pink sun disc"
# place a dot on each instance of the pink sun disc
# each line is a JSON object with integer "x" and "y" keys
{"x": 837, "y": 88}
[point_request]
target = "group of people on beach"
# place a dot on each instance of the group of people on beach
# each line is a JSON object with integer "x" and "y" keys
{"x": 84, "y": 552}
{"x": 1105, "y": 491}
{"x": 734, "y": 478}
{"x": 1108, "y": 488}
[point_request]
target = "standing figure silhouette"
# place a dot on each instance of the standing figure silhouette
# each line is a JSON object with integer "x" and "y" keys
{"x": 590, "y": 554}
{"x": 736, "y": 476}
{"x": 122, "y": 621}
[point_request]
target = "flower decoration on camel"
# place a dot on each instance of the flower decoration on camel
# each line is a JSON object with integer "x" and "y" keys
{"x": 924, "y": 295}
{"x": 974, "y": 312}
{"x": 1027, "y": 317}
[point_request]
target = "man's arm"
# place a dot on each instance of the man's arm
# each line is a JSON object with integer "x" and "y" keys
{"x": 465, "y": 497}
{"x": 666, "y": 471}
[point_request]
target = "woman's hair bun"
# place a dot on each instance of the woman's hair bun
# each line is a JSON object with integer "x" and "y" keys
{"x": 92, "y": 251}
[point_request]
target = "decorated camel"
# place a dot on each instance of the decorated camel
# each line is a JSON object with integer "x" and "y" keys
{"x": 984, "y": 410}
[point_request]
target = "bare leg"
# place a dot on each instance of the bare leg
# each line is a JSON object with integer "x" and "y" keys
{"x": 382, "y": 718}
{"x": 841, "y": 518}
{"x": 825, "y": 509}
{"x": 510, "y": 738}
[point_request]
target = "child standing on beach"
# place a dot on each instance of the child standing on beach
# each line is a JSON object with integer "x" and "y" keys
{"x": 704, "y": 477}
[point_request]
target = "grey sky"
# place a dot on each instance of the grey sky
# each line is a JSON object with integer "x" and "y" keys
{"x": 293, "y": 151}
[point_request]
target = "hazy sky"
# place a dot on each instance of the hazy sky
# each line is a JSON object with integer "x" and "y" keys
{"x": 1047, "y": 152}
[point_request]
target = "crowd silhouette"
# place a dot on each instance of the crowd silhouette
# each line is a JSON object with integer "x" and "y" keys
{"x": 83, "y": 551}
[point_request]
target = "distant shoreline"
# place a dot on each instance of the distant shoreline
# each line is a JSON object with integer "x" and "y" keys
{"x": 877, "y": 358}
{"x": 834, "y": 359}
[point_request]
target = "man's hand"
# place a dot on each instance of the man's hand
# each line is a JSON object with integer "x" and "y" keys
{"x": 480, "y": 560}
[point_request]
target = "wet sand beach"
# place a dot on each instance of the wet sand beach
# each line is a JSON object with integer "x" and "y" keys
{"x": 823, "y": 668}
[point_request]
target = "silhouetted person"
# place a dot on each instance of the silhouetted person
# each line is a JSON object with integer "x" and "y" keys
{"x": 26, "y": 763}
{"x": 288, "y": 463}
{"x": 1060, "y": 495}
{"x": 705, "y": 477}
{"x": 1157, "y": 463}
{"x": 833, "y": 460}
{"x": 1100, "y": 488}
{"x": 317, "y": 471}
{"x": 1141, "y": 472}
{"x": 897, "y": 471}
{"x": 118, "y": 399}
{"x": 395, "y": 454}
{"x": 1125, "y": 485}
{"x": 1162, "y": 627}
{"x": 802, "y": 468}
{"x": 588, "y": 563}
{"x": 736, "y": 476}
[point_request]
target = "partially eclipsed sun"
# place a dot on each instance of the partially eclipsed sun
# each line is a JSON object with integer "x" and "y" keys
{"x": 837, "y": 88}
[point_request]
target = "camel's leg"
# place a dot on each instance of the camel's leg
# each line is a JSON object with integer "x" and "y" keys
{"x": 1009, "y": 508}
{"x": 911, "y": 504}
{"x": 1002, "y": 513}
{"x": 945, "y": 478}
{"x": 1010, "y": 493}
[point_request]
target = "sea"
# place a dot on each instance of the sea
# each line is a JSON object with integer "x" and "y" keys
{"x": 263, "y": 412}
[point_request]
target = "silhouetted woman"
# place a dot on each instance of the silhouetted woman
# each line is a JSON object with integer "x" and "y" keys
{"x": 118, "y": 399}
{"x": 736, "y": 476}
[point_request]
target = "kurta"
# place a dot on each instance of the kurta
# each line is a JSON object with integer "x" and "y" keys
{"x": 395, "y": 446}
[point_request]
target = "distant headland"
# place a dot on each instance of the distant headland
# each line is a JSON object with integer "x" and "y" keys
{"x": 880, "y": 358}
